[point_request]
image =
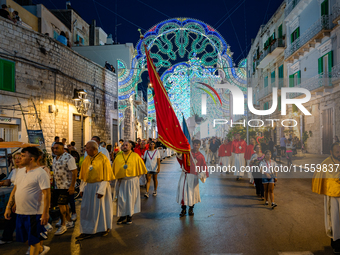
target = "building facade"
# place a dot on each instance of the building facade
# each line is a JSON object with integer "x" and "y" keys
{"x": 39, "y": 71}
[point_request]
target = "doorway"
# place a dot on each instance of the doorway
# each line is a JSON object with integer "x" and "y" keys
{"x": 327, "y": 130}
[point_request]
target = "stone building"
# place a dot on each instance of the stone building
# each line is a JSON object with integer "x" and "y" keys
{"x": 36, "y": 68}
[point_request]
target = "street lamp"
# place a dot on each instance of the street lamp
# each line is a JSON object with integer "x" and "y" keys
{"x": 82, "y": 104}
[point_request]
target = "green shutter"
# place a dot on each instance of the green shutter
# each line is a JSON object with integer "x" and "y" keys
{"x": 7, "y": 75}
{"x": 265, "y": 82}
{"x": 298, "y": 77}
{"x": 297, "y": 33}
{"x": 281, "y": 76}
{"x": 324, "y": 8}
{"x": 330, "y": 61}
{"x": 279, "y": 103}
{"x": 292, "y": 37}
{"x": 272, "y": 77}
{"x": 320, "y": 65}
{"x": 295, "y": 109}
{"x": 280, "y": 31}
{"x": 291, "y": 80}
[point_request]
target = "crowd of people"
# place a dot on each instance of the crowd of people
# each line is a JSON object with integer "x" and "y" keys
{"x": 115, "y": 174}
{"x": 14, "y": 16}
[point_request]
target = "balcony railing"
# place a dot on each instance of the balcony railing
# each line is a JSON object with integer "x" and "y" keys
{"x": 335, "y": 73}
{"x": 290, "y": 6}
{"x": 278, "y": 43}
{"x": 336, "y": 11}
{"x": 321, "y": 24}
{"x": 318, "y": 81}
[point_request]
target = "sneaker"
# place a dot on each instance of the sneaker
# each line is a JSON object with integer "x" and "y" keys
{"x": 266, "y": 203}
{"x": 60, "y": 231}
{"x": 70, "y": 224}
{"x": 48, "y": 227}
{"x": 121, "y": 220}
{"x": 58, "y": 224}
{"x": 146, "y": 194}
{"x": 74, "y": 217}
{"x": 154, "y": 193}
{"x": 4, "y": 242}
{"x": 129, "y": 220}
{"x": 46, "y": 249}
{"x": 274, "y": 205}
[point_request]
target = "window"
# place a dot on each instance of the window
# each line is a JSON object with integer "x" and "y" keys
{"x": 55, "y": 34}
{"x": 295, "y": 35}
{"x": 265, "y": 82}
{"x": 266, "y": 106}
{"x": 7, "y": 75}
{"x": 295, "y": 79}
{"x": 279, "y": 30}
{"x": 272, "y": 78}
{"x": 280, "y": 76}
{"x": 279, "y": 103}
{"x": 325, "y": 63}
{"x": 324, "y": 8}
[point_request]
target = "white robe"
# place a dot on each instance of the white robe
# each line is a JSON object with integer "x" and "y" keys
{"x": 188, "y": 189}
{"x": 128, "y": 196}
{"x": 225, "y": 161}
{"x": 96, "y": 213}
{"x": 332, "y": 217}
{"x": 238, "y": 161}
{"x": 250, "y": 174}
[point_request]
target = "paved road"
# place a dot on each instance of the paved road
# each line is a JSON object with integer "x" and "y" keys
{"x": 229, "y": 220}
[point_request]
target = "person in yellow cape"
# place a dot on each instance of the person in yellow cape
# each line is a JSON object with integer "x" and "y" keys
{"x": 97, "y": 207}
{"x": 127, "y": 168}
{"x": 326, "y": 182}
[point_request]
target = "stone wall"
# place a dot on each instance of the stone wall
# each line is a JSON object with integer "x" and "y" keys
{"x": 48, "y": 72}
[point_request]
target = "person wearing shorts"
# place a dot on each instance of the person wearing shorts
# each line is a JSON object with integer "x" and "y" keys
{"x": 65, "y": 175}
{"x": 152, "y": 159}
{"x": 32, "y": 200}
{"x": 268, "y": 177}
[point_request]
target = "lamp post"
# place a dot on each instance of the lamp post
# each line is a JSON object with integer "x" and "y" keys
{"x": 82, "y": 105}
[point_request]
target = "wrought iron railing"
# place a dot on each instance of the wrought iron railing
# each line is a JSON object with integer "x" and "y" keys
{"x": 336, "y": 10}
{"x": 318, "y": 26}
{"x": 290, "y": 6}
{"x": 278, "y": 43}
{"x": 335, "y": 73}
{"x": 318, "y": 81}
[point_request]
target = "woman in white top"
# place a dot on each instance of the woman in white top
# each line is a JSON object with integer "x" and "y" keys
{"x": 269, "y": 174}
{"x": 152, "y": 159}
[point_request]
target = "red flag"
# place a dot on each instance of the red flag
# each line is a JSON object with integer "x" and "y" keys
{"x": 169, "y": 130}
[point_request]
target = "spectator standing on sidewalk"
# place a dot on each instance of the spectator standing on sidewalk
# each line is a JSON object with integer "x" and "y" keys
{"x": 65, "y": 175}
{"x": 255, "y": 161}
{"x": 327, "y": 183}
{"x": 268, "y": 177}
{"x": 9, "y": 225}
{"x": 289, "y": 151}
{"x": 32, "y": 200}
{"x": 283, "y": 145}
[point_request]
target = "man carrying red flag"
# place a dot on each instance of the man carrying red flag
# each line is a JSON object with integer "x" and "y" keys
{"x": 224, "y": 152}
{"x": 239, "y": 147}
{"x": 188, "y": 192}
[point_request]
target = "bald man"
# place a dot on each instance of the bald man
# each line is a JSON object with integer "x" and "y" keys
{"x": 96, "y": 208}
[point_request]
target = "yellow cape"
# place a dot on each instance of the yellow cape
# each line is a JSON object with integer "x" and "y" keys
{"x": 101, "y": 169}
{"x": 135, "y": 166}
{"x": 327, "y": 183}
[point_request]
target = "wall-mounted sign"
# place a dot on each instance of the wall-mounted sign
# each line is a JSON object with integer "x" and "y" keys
{"x": 8, "y": 120}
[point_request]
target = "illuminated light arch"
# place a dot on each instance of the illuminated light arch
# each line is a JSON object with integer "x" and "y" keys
{"x": 175, "y": 45}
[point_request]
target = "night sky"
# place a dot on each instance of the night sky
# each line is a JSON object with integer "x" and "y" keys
{"x": 237, "y": 21}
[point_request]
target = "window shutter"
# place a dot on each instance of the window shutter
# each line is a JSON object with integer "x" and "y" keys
{"x": 7, "y": 75}
{"x": 280, "y": 31}
{"x": 291, "y": 37}
{"x": 279, "y": 103}
{"x": 298, "y": 77}
{"x": 297, "y": 32}
{"x": 291, "y": 80}
{"x": 320, "y": 65}
{"x": 265, "y": 82}
{"x": 272, "y": 77}
{"x": 330, "y": 61}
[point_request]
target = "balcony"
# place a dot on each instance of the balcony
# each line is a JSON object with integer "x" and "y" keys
{"x": 321, "y": 28}
{"x": 139, "y": 98}
{"x": 319, "y": 85}
{"x": 336, "y": 13}
{"x": 295, "y": 7}
{"x": 336, "y": 74}
{"x": 271, "y": 52}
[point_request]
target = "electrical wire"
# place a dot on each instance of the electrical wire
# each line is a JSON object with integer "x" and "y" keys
{"x": 101, "y": 24}
{"x": 154, "y": 9}
{"x": 119, "y": 15}
{"x": 230, "y": 14}
{"x": 265, "y": 16}
{"x": 226, "y": 14}
{"x": 231, "y": 21}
